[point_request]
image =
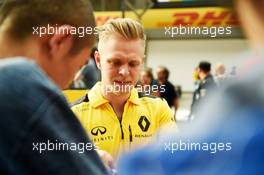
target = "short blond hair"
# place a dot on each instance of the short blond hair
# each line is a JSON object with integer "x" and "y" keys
{"x": 126, "y": 28}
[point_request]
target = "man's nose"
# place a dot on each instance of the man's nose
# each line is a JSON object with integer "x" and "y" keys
{"x": 124, "y": 70}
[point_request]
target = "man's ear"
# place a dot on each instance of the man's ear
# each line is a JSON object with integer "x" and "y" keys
{"x": 61, "y": 42}
{"x": 97, "y": 59}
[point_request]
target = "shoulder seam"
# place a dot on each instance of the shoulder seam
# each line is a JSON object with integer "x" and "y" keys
{"x": 80, "y": 100}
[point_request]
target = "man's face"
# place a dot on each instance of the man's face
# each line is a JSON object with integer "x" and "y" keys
{"x": 220, "y": 70}
{"x": 120, "y": 61}
{"x": 145, "y": 79}
{"x": 160, "y": 74}
{"x": 71, "y": 65}
{"x": 200, "y": 73}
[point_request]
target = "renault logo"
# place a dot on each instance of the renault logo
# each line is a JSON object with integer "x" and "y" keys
{"x": 99, "y": 129}
{"x": 144, "y": 123}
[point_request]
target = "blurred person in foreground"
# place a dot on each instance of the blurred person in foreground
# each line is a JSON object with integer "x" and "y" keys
{"x": 228, "y": 136}
{"x": 114, "y": 114}
{"x": 35, "y": 117}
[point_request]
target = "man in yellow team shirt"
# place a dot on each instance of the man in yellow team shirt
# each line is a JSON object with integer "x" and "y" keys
{"x": 115, "y": 115}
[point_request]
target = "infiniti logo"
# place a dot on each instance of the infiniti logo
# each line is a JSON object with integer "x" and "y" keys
{"x": 98, "y": 129}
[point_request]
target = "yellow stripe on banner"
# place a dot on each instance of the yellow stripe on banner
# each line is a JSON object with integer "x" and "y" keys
{"x": 73, "y": 95}
{"x": 160, "y": 18}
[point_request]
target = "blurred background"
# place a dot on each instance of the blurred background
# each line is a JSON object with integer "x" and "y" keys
{"x": 179, "y": 53}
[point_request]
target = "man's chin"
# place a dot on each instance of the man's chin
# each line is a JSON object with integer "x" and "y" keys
{"x": 121, "y": 93}
{"x": 119, "y": 89}
{"x": 122, "y": 84}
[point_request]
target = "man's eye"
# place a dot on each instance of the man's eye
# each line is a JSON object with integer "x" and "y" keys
{"x": 133, "y": 64}
{"x": 115, "y": 63}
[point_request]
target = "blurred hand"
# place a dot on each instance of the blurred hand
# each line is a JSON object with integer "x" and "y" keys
{"x": 106, "y": 158}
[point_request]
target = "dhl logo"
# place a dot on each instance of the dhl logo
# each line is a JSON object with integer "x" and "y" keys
{"x": 176, "y": 17}
{"x": 224, "y": 18}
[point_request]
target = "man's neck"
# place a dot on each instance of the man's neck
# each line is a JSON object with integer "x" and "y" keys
{"x": 9, "y": 48}
{"x": 117, "y": 101}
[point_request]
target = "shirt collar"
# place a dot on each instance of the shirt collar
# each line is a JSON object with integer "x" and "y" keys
{"x": 96, "y": 98}
{"x": 134, "y": 97}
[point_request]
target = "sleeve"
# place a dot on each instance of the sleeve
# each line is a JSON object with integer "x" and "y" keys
{"x": 55, "y": 143}
{"x": 78, "y": 107}
{"x": 165, "y": 116}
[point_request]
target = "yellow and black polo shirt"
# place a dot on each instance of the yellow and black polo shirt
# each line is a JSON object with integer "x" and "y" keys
{"x": 142, "y": 118}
